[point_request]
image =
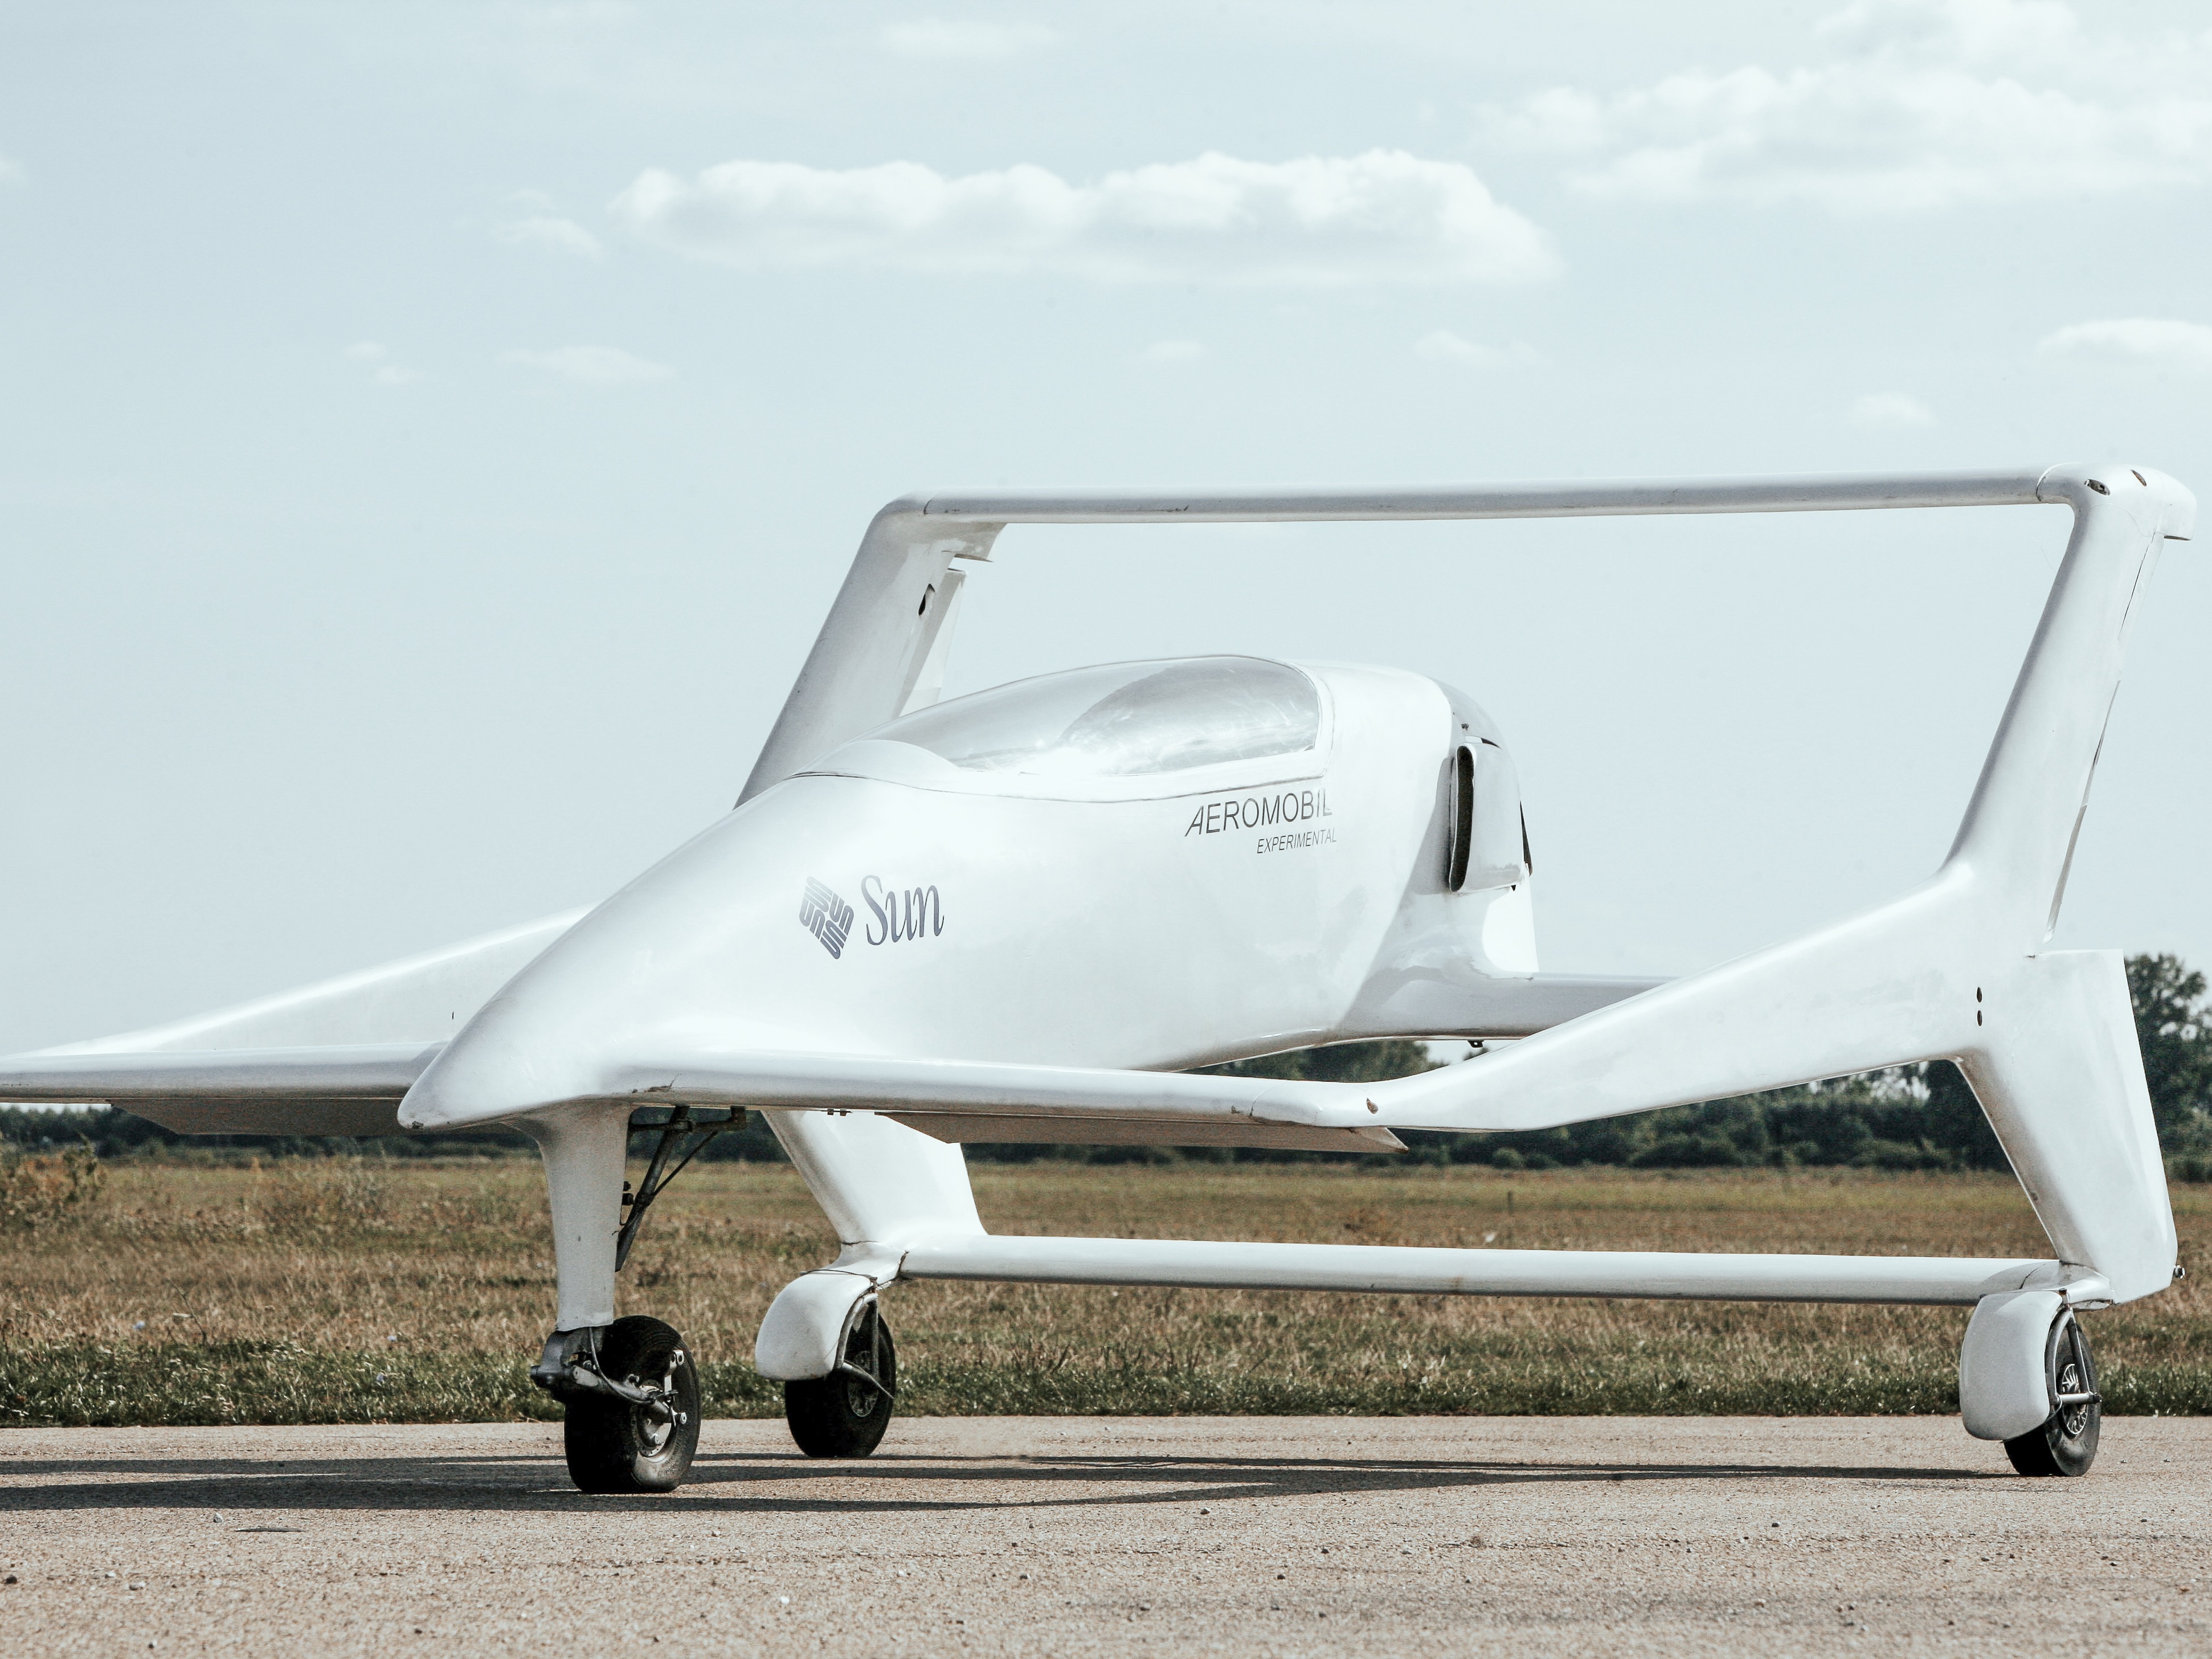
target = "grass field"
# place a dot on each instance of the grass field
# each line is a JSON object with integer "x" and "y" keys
{"x": 330, "y": 1291}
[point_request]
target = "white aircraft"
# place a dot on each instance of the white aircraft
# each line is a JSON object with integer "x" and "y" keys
{"x": 1271, "y": 856}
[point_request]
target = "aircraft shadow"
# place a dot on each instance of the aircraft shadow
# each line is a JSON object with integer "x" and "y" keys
{"x": 783, "y": 1483}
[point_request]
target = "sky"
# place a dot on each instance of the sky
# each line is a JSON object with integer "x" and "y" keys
{"x": 431, "y": 434}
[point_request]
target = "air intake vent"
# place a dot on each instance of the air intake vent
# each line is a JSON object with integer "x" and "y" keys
{"x": 1461, "y": 840}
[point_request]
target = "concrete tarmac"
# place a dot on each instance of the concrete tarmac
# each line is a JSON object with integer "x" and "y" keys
{"x": 1532, "y": 1536}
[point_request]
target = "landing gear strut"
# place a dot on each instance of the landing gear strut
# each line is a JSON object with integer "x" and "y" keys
{"x": 666, "y": 1164}
{"x": 2066, "y": 1442}
{"x": 629, "y": 1386}
{"x": 845, "y": 1413}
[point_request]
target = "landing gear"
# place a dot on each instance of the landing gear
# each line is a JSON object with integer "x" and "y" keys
{"x": 632, "y": 1401}
{"x": 629, "y": 1386}
{"x": 845, "y": 1413}
{"x": 2066, "y": 1442}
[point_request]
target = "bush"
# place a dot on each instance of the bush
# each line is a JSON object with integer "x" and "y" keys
{"x": 39, "y": 1189}
{"x": 1898, "y": 1155}
{"x": 1689, "y": 1151}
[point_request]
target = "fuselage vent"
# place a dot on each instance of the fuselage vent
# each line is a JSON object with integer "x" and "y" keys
{"x": 1460, "y": 843}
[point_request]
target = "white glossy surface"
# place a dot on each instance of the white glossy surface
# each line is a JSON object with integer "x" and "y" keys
{"x": 1406, "y": 1270}
{"x": 419, "y": 999}
{"x": 1167, "y": 929}
{"x": 802, "y": 1334}
{"x": 583, "y": 1151}
{"x": 2004, "y": 1386}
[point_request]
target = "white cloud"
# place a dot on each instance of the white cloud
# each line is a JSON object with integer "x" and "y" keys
{"x": 2139, "y": 339}
{"x": 11, "y": 170}
{"x": 939, "y": 38}
{"x": 551, "y": 232}
{"x": 1921, "y": 104}
{"x": 1172, "y": 351}
{"x": 1385, "y": 217}
{"x": 385, "y": 372}
{"x": 1445, "y": 347}
{"x": 591, "y": 365}
{"x": 1890, "y": 411}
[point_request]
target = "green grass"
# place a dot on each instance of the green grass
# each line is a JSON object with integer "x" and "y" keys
{"x": 358, "y": 1293}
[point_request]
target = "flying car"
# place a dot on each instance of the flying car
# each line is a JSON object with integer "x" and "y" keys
{"x": 886, "y": 951}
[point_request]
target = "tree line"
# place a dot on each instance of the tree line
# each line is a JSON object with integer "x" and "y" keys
{"x": 1913, "y": 1117}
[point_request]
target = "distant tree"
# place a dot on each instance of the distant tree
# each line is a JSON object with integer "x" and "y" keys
{"x": 1339, "y": 1062}
{"x": 1955, "y": 1120}
{"x": 2176, "y": 1031}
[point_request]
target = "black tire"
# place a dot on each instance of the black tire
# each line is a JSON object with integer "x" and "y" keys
{"x": 616, "y": 1447}
{"x": 841, "y": 1415}
{"x": 2067, "y": 1443}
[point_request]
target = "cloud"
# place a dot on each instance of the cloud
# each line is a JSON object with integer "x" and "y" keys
{"x": 382, "y": 370}
{"x": 1445, "y": 347}
{"x": 1382, "y": 217}
{"x": 551, "y": 232}
{"x": 1921, "y": 104}
{"x": 590, "y": 365}
{"x": 1889, "y": 411}
{"x": 938, "y": 38}
{"x": 1172, "y": 351}
{"x": 11, "y": 170}
{"x": 2139, "y": 339}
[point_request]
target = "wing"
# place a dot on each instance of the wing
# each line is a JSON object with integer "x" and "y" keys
{"x": 421, "y": 999}
{"x": 334, "y": 1090}
{"x": 358, "y": 1090}
{"x": 333, "y": 1057}
{"x": 958, "y": 1100}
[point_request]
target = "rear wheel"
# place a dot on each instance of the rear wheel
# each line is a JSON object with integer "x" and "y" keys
{"x": 844, "y": 1415}
{"x": 2067, "y": 1443}
{"x": 615, "y": 1446}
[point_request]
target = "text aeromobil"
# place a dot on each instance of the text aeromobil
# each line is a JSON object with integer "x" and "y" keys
{"x": 1273, "y": 855}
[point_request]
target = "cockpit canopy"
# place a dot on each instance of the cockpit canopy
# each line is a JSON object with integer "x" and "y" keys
{"x": 1127, "y": 719}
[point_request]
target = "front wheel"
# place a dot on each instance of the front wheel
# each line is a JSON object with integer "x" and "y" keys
{"x": 845, "y": 1414}
{"x": 615, "y": 1446}
{"x": 2067, "y": 1442}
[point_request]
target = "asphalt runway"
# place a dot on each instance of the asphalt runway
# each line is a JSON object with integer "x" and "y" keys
{"x": 1078, "y": 1535}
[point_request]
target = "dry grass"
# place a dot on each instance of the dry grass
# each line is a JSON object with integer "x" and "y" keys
{"x": 368, "y": 1292}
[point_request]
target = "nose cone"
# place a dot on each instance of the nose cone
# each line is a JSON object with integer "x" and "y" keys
{"x": 681, "y": 960}
{"x": 510, "y": 1059}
